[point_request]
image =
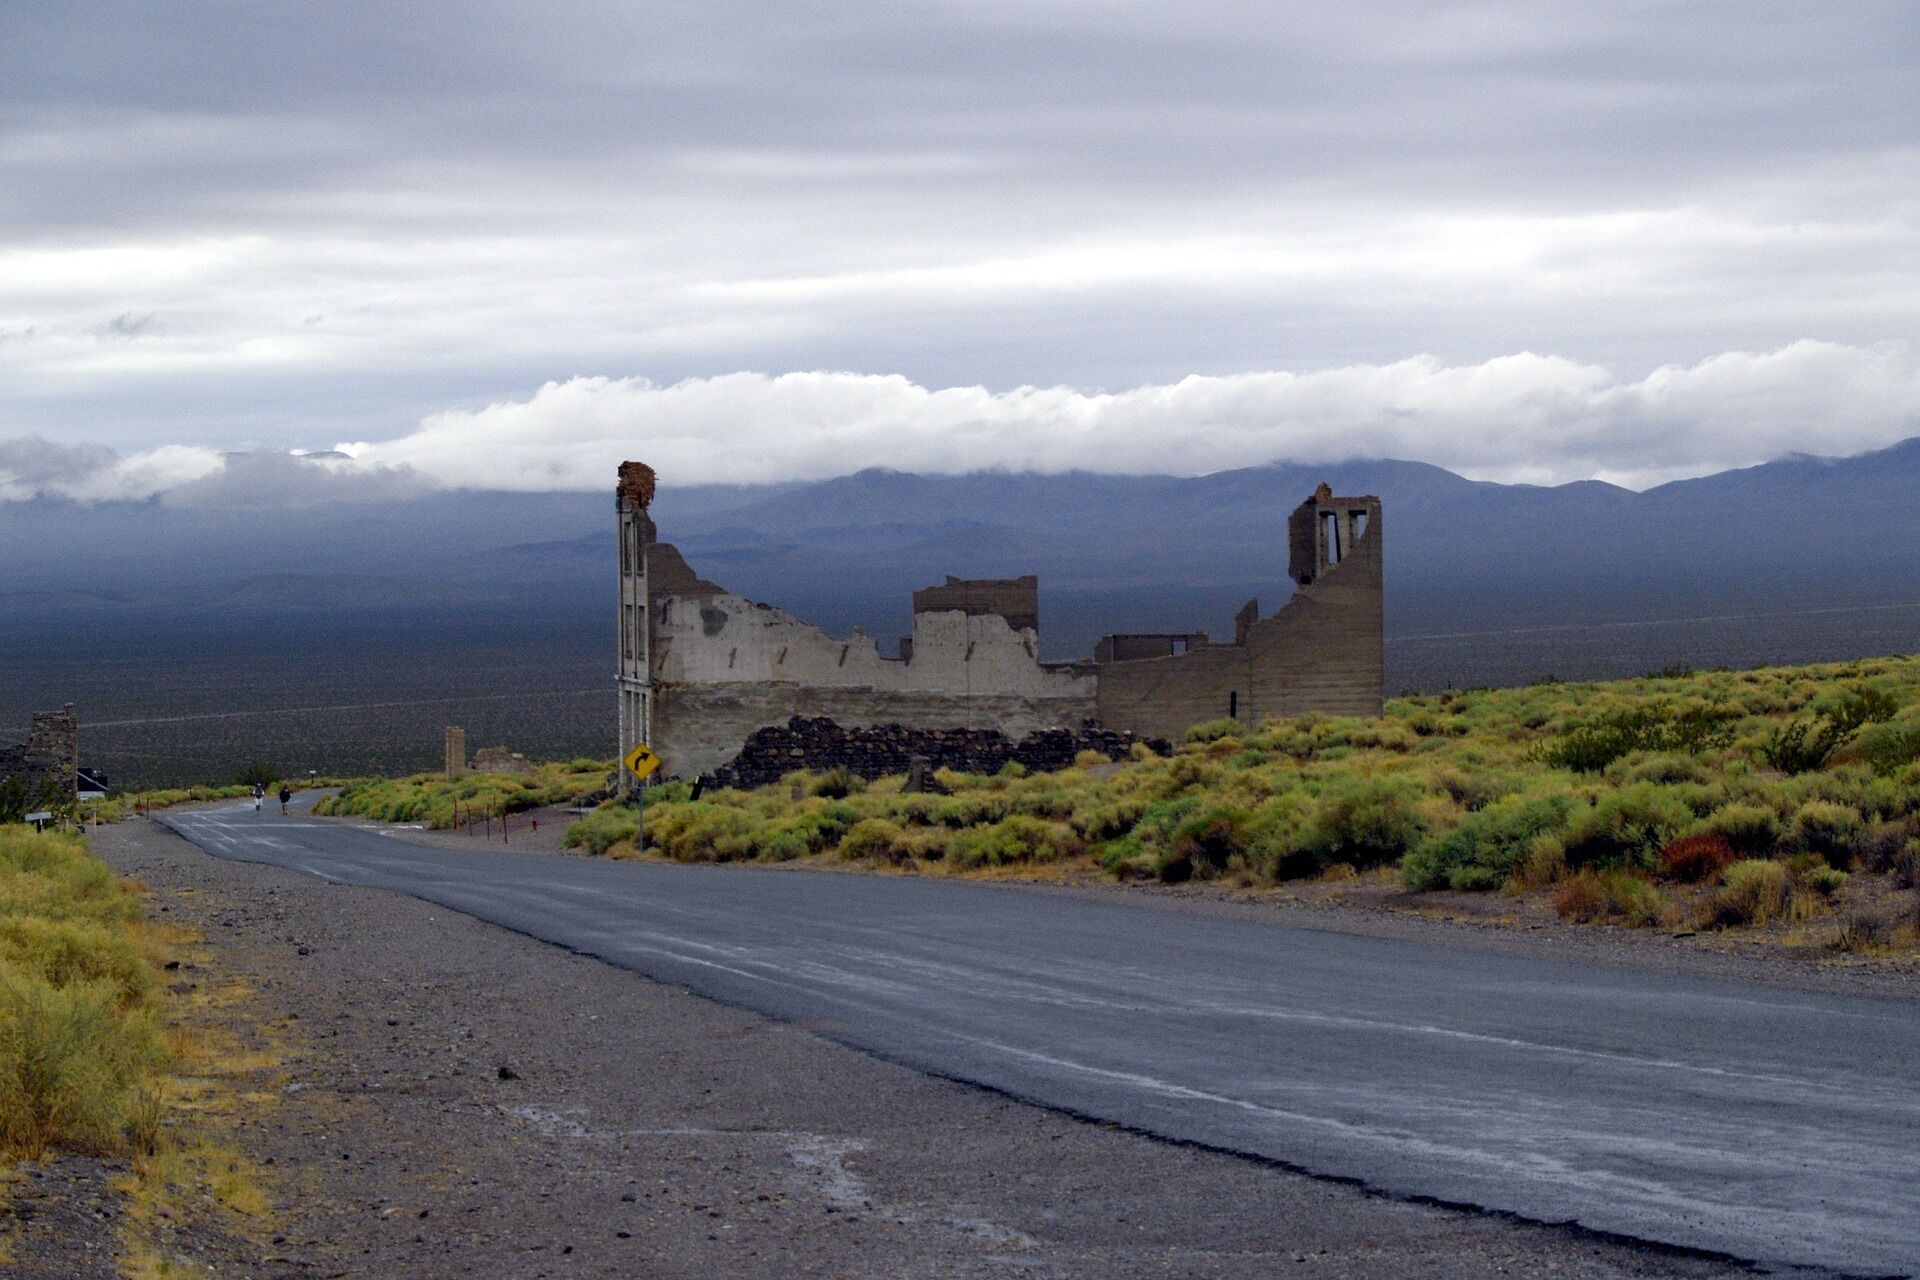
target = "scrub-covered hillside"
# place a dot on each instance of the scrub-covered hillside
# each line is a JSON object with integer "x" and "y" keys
{"x": 1688, "y": 798}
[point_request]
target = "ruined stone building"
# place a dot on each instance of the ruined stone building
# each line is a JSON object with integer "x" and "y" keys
{"x": 702, "y": 669}
{"x": 50, "y": 757}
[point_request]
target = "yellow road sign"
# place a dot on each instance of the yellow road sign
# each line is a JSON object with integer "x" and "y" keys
{"x": 641, "y": 761}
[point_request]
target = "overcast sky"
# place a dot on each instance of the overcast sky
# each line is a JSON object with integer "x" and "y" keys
{"x": 509, "y": 244}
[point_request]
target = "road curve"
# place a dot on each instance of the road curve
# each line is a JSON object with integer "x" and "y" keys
{"x": 1777, "y": 1127}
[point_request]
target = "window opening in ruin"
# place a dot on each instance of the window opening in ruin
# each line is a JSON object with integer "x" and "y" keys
{"x": 1179, "y": 646}
{"x": 1359, "y": 525}
{"x": 1330, "y": 527}
{"x": 1233, "y": 704}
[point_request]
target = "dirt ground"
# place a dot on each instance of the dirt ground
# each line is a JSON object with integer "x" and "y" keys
{"x": 446, "y": 1098}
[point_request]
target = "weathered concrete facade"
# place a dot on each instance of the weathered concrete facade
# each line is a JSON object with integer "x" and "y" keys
{"x": 1321, "y": 651}
{"x": 702, "y": 669}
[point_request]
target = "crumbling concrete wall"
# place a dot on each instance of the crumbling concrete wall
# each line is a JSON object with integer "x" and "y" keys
{"x": 703, "y": 669}
{"x": 1015, "y": 599}
{"x": 1323, "y": 650}
{"x": 724, "y": 666}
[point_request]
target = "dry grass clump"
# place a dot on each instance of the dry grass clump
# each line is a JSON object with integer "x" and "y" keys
{"x": 80, "y": 1044}
{"x": 1610, "y": 897}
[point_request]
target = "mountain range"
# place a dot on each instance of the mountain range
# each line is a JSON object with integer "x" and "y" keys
{"x": 1113, "y": 552}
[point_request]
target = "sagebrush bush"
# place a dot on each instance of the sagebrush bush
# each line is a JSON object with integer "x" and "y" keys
{"x": 1488, "y": 845}
{"x": 1749, "y": 828}
{"x": 1013, "y": 840}
{"x": 1626, "y": 827}
{"x": 604, "y": 828}
{"x": 1205, "y": 844}
{"x": 1695, "y": 858}
{"x": 1366, "y": 822}
{"x": 1826, "y": 828}
{"x": 1616, "y": 896}
{"x": 1753, "y": 891}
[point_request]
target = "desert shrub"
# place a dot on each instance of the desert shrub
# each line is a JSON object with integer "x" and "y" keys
{"x": 76, "y": 952}
{"x": 1889, "y": 747}
{"x": 1626, "y": 827}
{"x": 1088, "y": 758}
{"x": 1542, "y": 864}
{"x": 1365, "y": 822}
{"x": 1867, "y": 930}
{"x": 1011, "y": 840}
{"x": 701, "y": 831}
{"x": 970, "y": 809}
{"x": 1204, "y": 845}
{"x": 1591, "y": 747}
{"x": 1808, "y": 743}
{"x": 1754, "y": 891}
{"x": 1609, "y": 896}
{"x": 605, "y": 827}
{"x": 75, "y": 1067}
{"x": 20, "y": 796}
{"x": 1488, "y": 845}
{"x": 1275, "y": 833}
{"x": 833, "y": 784}
{"x": 258, "y": 773}
{"x": 1880, "y": 844}
{"x": 1099, "y": 817}
{"x": 1749, "y": 828}
{"x": 1821, "y": 879}
{"x": 1826, "y": 828}
{"x": 873, "y": 839}
{"x": 1154, "y": 831}
{"x": 1693, "y": 859}
{"x": 1661, "y": 768}
{"x": 1212, "y": 730}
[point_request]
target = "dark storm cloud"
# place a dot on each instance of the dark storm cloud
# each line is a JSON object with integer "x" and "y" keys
{"x": 345, "y": 217}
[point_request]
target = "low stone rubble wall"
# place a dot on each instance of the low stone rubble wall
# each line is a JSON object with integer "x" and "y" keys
{"x": 876, "y": 752}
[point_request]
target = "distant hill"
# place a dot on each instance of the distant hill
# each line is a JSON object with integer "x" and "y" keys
{"x": 1113, "y": 552}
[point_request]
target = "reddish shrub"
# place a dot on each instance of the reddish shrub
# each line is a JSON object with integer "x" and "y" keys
{"x": 1697, "y": 858}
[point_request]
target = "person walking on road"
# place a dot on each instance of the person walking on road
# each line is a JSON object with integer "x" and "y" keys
{"x": 285, "y": 795}
{"x": 259, "y": 796}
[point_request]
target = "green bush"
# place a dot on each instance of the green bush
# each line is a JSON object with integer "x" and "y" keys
{"x": 1826, "y": 828}
{"x": 1488, "y": 845}
{"x": 1628, "y": 827}
{"x": 1366, "y": 822}
{"x": 605, "y": 827}
{"x": 1591, "y": 747}
{"x": 1889, "y": 747}
{"x": 1013, "y": 840}
{"x": 1755, "y": 891}
{"x": 1203, "y": 845}
{"x": 1810, "y": 742}
{"x": 874, "y": 839}
{"x": 1749, "y": 828}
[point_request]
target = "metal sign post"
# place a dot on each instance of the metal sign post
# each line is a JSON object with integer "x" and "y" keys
{"x": 640, "y": 762}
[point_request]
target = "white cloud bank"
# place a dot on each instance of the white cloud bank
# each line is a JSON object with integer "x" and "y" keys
{"x": 1521, "y": 417}
{"x": 1542, "y": 419}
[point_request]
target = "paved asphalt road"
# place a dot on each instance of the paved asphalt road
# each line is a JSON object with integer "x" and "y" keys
{"x": 1773, "y": 1126}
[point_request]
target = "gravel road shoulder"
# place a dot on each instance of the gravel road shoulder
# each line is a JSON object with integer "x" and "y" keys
{"x": 457, "y": 1099}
